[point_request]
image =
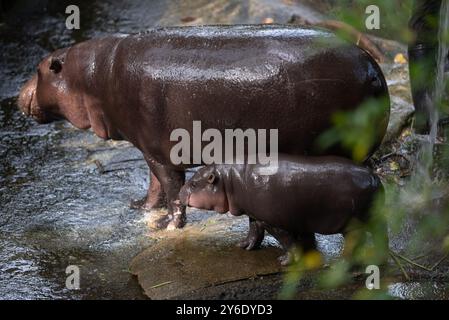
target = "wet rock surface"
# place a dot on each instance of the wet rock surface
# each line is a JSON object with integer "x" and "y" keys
{"x": 201, "y": 255}
{"x": 64, "y": 193}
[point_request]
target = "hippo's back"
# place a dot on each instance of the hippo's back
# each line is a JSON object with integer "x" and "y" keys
{"x": 260, "y": 77}
{"x": 242, "y": 53}
{"x": 313, "y": 193}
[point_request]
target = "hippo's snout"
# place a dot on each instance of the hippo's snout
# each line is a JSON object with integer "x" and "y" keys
{"x": 29, "y": 105}
{"x": 27, "y": 96}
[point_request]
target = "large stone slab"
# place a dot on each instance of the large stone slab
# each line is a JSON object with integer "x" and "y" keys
{"x": 201, "y": 256}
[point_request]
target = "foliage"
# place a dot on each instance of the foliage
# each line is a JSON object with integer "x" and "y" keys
{"x": 357, "y": 131}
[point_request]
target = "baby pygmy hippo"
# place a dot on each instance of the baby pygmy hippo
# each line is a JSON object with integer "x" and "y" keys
{"x": 306, "y": 195}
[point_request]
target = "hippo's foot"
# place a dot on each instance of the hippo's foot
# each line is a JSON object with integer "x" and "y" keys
{"x": 255, "y": 236}
{"x": 286, "y": 259}
{"x": 162, "y": 222}
{"x": 148, "y": 204}
{"x": 293, "y": 255}
{"x": 249, "y": 243}
{"x": 156, "y": 198}
{"x": 169, "y": 221}
{"x": 179, "y": 221}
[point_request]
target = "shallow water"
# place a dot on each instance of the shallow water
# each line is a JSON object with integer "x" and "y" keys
{"x": 419, "y": 290}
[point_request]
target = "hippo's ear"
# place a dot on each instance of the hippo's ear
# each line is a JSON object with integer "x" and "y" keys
{"x": 211, "y": 178}
{"x": 56, "y": 65}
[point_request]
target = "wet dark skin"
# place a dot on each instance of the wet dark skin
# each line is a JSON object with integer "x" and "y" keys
{"x": 141, "y": 87}
{"x": 306, "y": 195}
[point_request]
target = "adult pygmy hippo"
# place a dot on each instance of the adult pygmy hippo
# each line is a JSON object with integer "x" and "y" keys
{"x": 141, "y": 87}
{"x": 307, "y": 195}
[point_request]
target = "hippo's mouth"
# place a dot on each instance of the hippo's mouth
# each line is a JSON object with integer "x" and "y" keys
{"x": 25, "y": 100}
{"x": 28, "y": 105}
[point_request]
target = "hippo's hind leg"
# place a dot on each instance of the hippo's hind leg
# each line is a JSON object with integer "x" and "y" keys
{"x": 256, "y": 234}
{"x": 171, "y": 181}
{"x": 307, "y": 241}
{"x": 290, "y": 241}
{"x": 155, "y": 198}
{"x": 287, "y": 241}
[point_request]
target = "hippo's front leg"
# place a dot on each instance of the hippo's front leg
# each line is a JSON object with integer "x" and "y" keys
{"x": 155, "y": 198}
{"x": 256, "y": 234}
{"x": 171, "y": 182}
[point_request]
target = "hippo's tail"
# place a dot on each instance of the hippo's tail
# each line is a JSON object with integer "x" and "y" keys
{"x": 378, "y": 187}
{"x": 377, "y": 92}
{"x": 375, "y": 78}
{"x": 376, "y": 199}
